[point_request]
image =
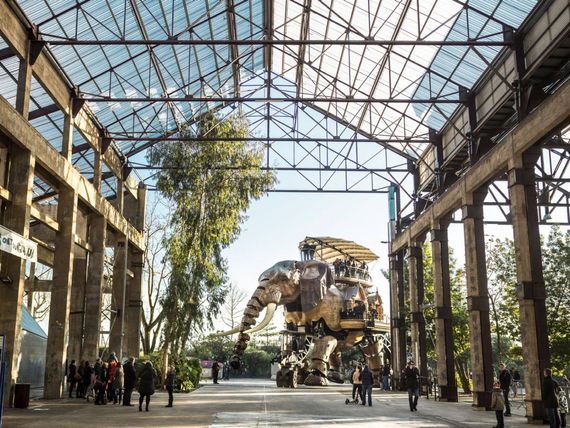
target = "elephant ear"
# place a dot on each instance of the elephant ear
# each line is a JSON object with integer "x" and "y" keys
{"x": 316, "y": 277}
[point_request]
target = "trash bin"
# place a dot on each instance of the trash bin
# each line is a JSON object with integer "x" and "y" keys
{"x": 22, "y": 395}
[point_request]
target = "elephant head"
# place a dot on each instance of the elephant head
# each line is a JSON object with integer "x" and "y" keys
{"x": 284, "y": 283}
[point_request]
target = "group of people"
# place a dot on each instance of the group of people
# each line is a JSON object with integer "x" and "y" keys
{"x": 349, "y": 267}
{"x": 112, "y": 382}
{"x": 554, "y": 397}
{"x": 362, "y": 382}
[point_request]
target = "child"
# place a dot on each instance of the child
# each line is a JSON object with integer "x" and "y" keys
{"x": 562, "y": 405}
{"x": 498, "y": 404}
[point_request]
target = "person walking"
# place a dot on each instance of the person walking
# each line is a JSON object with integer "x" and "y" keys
{"x": 118, "y": 383}
{"x": 169, "y": 384}
{"x": 412, "y": 378}
{"x": 516, "y": 379}
{"x": 87, "y": 380}
{"x": 215, "y": 371}
{"x": 146, "y": 384}
{"x": 130, "y": 378}
{"x": 356, "y": 383}
{"x": 562, "y": 405}
{"x": 549, "y": 399}
{"x": 498, "y": 405}
{"x": 79, "y": 377}
{"x": 367, "y": 379}
{"x": 505, "y": 381}
{"x": 71, "y": 380}
{"x": 386, "y": 376}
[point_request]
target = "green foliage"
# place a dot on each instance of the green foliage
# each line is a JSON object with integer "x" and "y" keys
{"x": 213, "y": 348}
{"x": 188, "y": 370}
{"x": 210, "y": 184}
{"x": 501, "y": 268}
{"x": 258, "y": 362}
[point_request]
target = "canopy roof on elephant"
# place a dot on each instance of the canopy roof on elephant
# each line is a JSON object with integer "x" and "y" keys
{"x": 328, "y": 249}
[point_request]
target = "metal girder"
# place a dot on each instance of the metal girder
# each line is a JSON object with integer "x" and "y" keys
{"x": 234, "y": 52}
{"x": 266, "y": 99}
{"x": 274, "y": 42}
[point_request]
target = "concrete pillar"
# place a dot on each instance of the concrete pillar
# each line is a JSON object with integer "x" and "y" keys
{"x": 397, "y": 314}
{"x": 67, "y": 143}
{"x": 77, "y": 305}
{"x": 118, "y": 299}
{"x": 16, "y": 218}
{"x": 443, "y": 322}
{"x": 530, "y": 282}
{"x": 97, "y": 170}
{"x": 478, "y": 299}
{"x": 24, "y": 86}
{"x": 141, "y": 211}
{"x": 58, "y": 330}
{"x": 93, "y": 289}
{"x": 120, "y": 190}
{"x": 134, "y": 304}
{"x": 417, "y": 295}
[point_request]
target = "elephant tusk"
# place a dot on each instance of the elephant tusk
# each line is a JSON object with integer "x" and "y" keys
{"x": 271, "y": 307}
{"x": 227, "y": 333}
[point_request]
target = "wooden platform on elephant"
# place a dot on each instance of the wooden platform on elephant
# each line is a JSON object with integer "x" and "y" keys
{"x": 352, "y": 281}
{"x": 360, "y": 324}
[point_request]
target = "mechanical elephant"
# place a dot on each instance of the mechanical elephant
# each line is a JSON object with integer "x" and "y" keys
{"x": 311, "y": 299}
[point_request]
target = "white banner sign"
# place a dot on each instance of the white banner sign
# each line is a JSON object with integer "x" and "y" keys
{"x": 17, "y": 245}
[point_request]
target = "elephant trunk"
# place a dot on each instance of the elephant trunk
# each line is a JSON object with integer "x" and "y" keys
{"x": 260, "y": 299}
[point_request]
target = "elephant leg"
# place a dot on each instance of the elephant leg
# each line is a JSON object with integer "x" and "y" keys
{"x": 373, "y": 352}
{"x": 322, "y": 350}
{"x": 334, "y": 367}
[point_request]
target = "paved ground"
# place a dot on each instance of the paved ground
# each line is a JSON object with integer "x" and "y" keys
{"x": 256, "y": 403}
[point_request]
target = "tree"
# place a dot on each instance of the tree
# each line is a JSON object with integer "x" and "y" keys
{"x": 156, "y": 276}
{"x": 210, "y": 184}
{"x": 233, "y": 307}
{"x": 556, "y": 270}
{"x": 459, "y": 314}
{"x": 502, "y": 280}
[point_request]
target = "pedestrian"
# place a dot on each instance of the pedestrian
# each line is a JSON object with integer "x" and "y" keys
{"x": 79, "y": 378}
{"x": 505, "y": 381}
{"x": 498, "y": 404}
{"x": 356, "y": 383}
{"x": 169, "y": 384}
{"x": 412, "y": 376}
{"x": 549, "y": 398}
{"x": 111, "y": 367}
{"x": 215, "y": 371}
{"x": 226, "y": 371}
{"x": 146, "y": 384}
{"x": 366, "y": 389}
{"x": 130, "y": 378}
{"x": 101, "y": 384}
{"x": 515, "y": 380}
{"x": 71, "y": 380}
{"x": 386, "y": 376}
{"x": 87, "y": 380}
{"x": 118, "y": 383}
{"x": 562, "y": 405}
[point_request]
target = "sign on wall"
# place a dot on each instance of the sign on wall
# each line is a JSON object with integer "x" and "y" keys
{"x": 17, "y": 245}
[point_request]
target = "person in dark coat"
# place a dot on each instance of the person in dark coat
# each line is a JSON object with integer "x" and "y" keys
{"x": 386, "y": 376}
{"x": 87, "y": 383}
{"x": 101, "y": 385}
{"x": 130, "y": 381}
{"x": 71, "y": 372}
{"x": 169, "y": 383}
{"x": 505, "y": 381}
{"x": 412, "y": 378}
{"x": 549, "y": 399}
{"x": 146, "y": 384}
{"x": 215, "y": 371}
{"x": 367, "y": 379}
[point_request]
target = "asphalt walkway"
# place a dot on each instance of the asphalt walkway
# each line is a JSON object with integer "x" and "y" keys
{"x": 256, "y": 403}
